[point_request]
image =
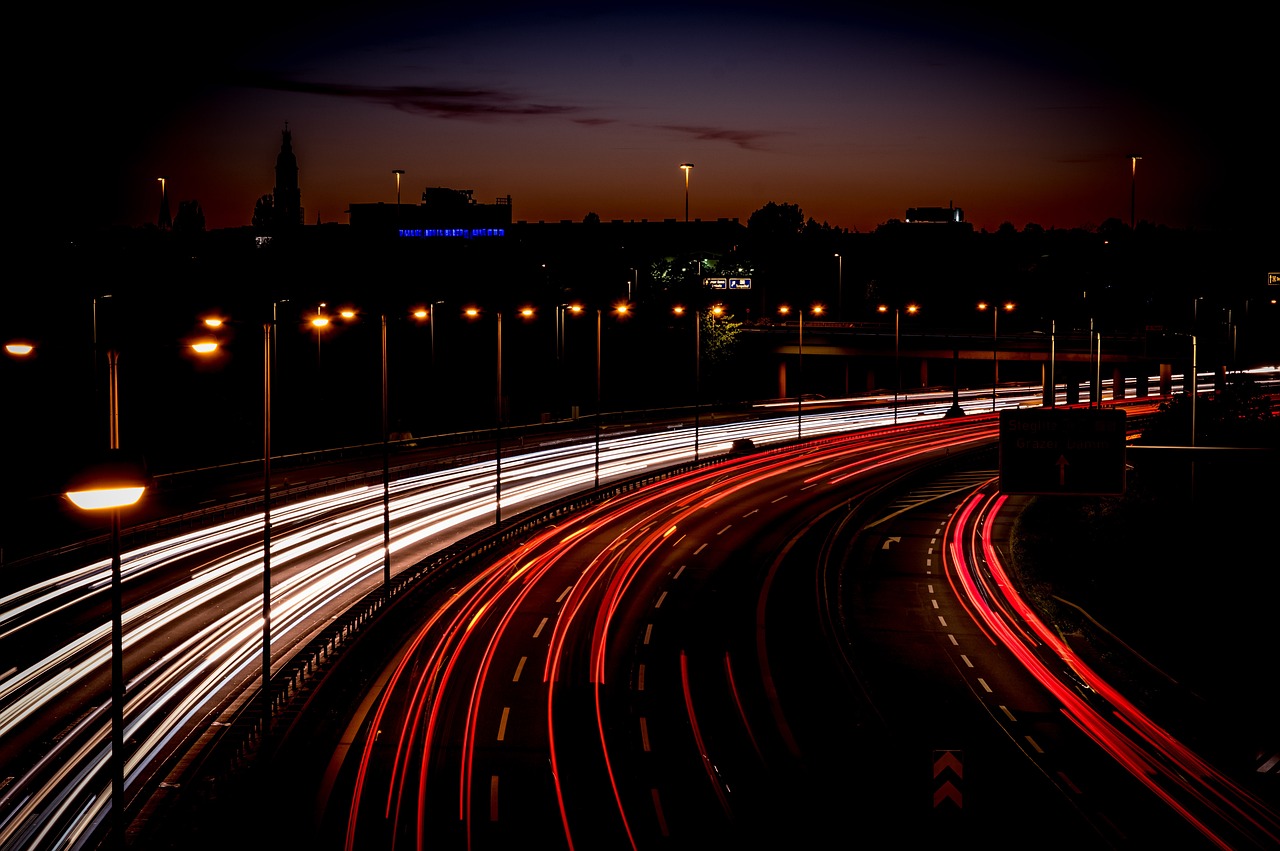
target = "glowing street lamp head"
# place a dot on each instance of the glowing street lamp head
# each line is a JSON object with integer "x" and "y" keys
{"x": 116, "y": 481}
{"x": 320, "y": 321}
{"x": 205, "y": 347}
{"x": 19, "y": 348}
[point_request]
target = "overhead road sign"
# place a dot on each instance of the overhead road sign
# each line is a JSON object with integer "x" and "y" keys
{"x": 1062, "y": 451}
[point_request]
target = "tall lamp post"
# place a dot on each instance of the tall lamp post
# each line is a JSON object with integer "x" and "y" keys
{"x": 111, "y": 486}
{"x": 1133, "y": 189}
{"x": 897, "y": 363}
{"x": 839, "y": 287}
{"x": 817, "y": 311}
{"x": 208, "y": 347}
{"x": 386, "y": 471}
{"x": 1007, "y": 307}
{"x": 686, "y": 167}
{"x": 398, "y": 172}
{"x": 697, "y": 370}
{"x": 472, "y": 313}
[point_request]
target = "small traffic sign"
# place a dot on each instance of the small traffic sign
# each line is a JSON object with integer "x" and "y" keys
{"x": 1062, "y": 451}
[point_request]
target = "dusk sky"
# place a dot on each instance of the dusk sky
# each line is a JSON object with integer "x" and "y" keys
{"x": 853, "y": 112}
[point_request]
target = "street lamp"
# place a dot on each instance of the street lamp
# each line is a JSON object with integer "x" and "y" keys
{"x": 1133, "y": 188}
{"x": 839, "y": 287}
{"x": 679, "y": 310}
{"x": 897, "y": 364}
{"x": 205, "y": 347}
{"x": 165, "y": 221}
{"x": 817, "y": 311}
{"x": 319, "y": 322}
{"x": 110, "y": 486}
{"x": 686, "y": 167}
{"x": 474, "y": 313}
{"x": 1007, "y": 307}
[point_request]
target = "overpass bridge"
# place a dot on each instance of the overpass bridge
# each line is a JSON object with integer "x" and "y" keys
{"x": 842, "y": 358}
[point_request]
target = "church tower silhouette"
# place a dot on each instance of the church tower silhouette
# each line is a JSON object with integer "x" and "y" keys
{"x": 287, "y": 197}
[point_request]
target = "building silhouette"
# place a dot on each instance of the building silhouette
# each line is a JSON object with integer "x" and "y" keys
{"x": 287, "y": 197}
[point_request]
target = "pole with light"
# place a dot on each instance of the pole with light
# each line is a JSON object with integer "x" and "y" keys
{"x": 1008, "y": 307}
{"x": 111, "y": 486}
{"x": 839, "y": 287}
{"x": 473, "y": 313}
{"x": 386, "y": 471}
{"x": 208, "y": 347}
{"x": 897, "y": 363}
{"x": 679, "y": 310}
{"x": 817, "y": 311}
{"x": 398, "y": 172}
{"x": 1133, "y": 189}
{"x": 686, "y": 167}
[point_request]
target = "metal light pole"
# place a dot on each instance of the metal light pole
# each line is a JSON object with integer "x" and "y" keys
{"x": 839, "y": 287}
{"x": 599, "y": 315}
{"x": 497, "y": 479}
{"x": 995, "y": 336}
{"x": 267, "y": 329}
{"x": 398, "y": 172}
{"x": 386, "y": 471}
{"x": 687, "y": 167}
{"x": 1053, "y": 381}
{"x": 112, "y": 486}
{"x": 1133, "y": 190}
{"x": 697, "y": 380}
{"x": 117, "y": 628}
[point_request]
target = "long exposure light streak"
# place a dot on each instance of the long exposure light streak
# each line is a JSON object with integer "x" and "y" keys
{"x": 207, "y": 622}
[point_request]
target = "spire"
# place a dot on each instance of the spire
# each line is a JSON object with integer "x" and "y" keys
{"x": 287, "y": 199}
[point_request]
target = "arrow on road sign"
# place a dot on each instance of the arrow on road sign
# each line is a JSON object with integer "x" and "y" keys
{"x": 1063, "y": 463}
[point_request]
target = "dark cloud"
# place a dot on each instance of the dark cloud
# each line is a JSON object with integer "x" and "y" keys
{"x": 439, "y": 101}
{"x": 747, "y": 139}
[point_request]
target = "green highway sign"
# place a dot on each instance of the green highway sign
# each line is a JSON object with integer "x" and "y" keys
{"x": 1062, "y": 451}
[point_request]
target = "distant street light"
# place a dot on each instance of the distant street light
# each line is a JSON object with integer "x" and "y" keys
{"x": 1133, "y": 189}
{"x": 839, "y": 287}
{"x": 817, "y": 311}
{"x": 398, "y": 172}
{"x": 995, "y": 361}
{"x": 897, "y": 366}
{"x": 205, "y": 348}
{"x": 687, "y": 167}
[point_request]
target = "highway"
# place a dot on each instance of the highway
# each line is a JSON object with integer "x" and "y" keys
{"x": 750, "y": 654}
{"x": 193, "y": 612}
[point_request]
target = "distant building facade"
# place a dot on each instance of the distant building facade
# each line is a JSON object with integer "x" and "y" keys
{"x": 935, "y": 215}
{"x": 443, "y": 213}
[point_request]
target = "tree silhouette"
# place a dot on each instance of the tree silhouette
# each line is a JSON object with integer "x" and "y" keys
{"x": 190, "y": 218}
{"x": 264, "y": 213}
